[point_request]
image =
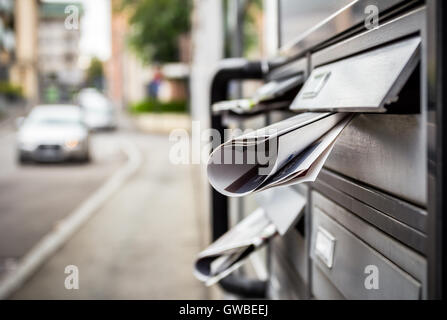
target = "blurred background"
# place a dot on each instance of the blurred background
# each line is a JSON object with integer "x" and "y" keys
{"x": 89, "y": 89}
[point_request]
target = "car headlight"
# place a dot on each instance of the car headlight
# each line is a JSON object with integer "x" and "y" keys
{"x": 71, "y": 144}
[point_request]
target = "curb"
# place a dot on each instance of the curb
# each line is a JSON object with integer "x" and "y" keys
{"x": 54, "y": 240}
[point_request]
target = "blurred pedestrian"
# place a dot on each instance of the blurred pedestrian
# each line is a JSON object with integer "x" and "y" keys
{"x": 154, "y": 84}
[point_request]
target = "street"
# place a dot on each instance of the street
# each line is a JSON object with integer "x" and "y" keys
{"x": 142, "y": 242}
{"x": 34, "y": 197}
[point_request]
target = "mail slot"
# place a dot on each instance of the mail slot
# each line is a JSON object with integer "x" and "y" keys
{"x": 367, "y": 82}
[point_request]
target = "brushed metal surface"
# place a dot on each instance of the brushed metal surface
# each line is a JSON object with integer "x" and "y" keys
{"x": 351, "y": 257}
{"x": 284, "y": 282}
{"x": 400, "y": 27}
{"x": 406, "y": 258}
{"x": 296, "y": 67}
{"x": 344, "y": 19}
{"x": 387, "y": 152}
{"x": 395, "y": 208}
{"x": 322, "y": 287}
{"x": 293, "y": 247}
{"x": 366, "y": 82}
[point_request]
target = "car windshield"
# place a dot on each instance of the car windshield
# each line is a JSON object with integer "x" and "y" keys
{"x": 55, "y": 117}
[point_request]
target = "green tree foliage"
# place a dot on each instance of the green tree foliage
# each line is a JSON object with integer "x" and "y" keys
{"x": 156, "y": 26}
{"x": 10, "y": 90}
{"x": 251, "y": 27}
{"x": 95, "y": 73}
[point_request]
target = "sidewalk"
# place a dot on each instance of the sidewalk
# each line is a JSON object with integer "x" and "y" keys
{"x": 140, "y": 245}
{"x": 9, "y": 113}
{"x": 162, "y": 123}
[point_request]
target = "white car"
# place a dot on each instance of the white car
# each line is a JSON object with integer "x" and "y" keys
{"x": 53, "y": 133}
{"x": 99, "y": 112}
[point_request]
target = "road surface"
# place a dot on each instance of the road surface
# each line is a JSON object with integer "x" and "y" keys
{"x": 141, "y": 244}
{"x": 35, "y": 197}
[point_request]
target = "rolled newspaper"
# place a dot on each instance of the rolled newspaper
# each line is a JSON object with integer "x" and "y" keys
{"x": 288, "y": 152}
{"x": 280, "y": 209}
{"x": 228, "y": 252}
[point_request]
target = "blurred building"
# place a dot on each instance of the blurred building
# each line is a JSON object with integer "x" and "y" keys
{"x": 114, "y": 69}
{"x": 18, "y": 45}
{"x": 58, "y": 47}
{"x": 128, "y": 78}
{"x": 126, "y": 75}
{"x": 7, "y": 38}
{"x": 175, "y": 80}
{"x": 176, "y": 74}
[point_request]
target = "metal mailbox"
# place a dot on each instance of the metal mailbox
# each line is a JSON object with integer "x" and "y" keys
{"x": 375, "y": 203}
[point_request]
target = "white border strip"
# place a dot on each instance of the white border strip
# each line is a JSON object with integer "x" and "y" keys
{"x": 50, "y": 243}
